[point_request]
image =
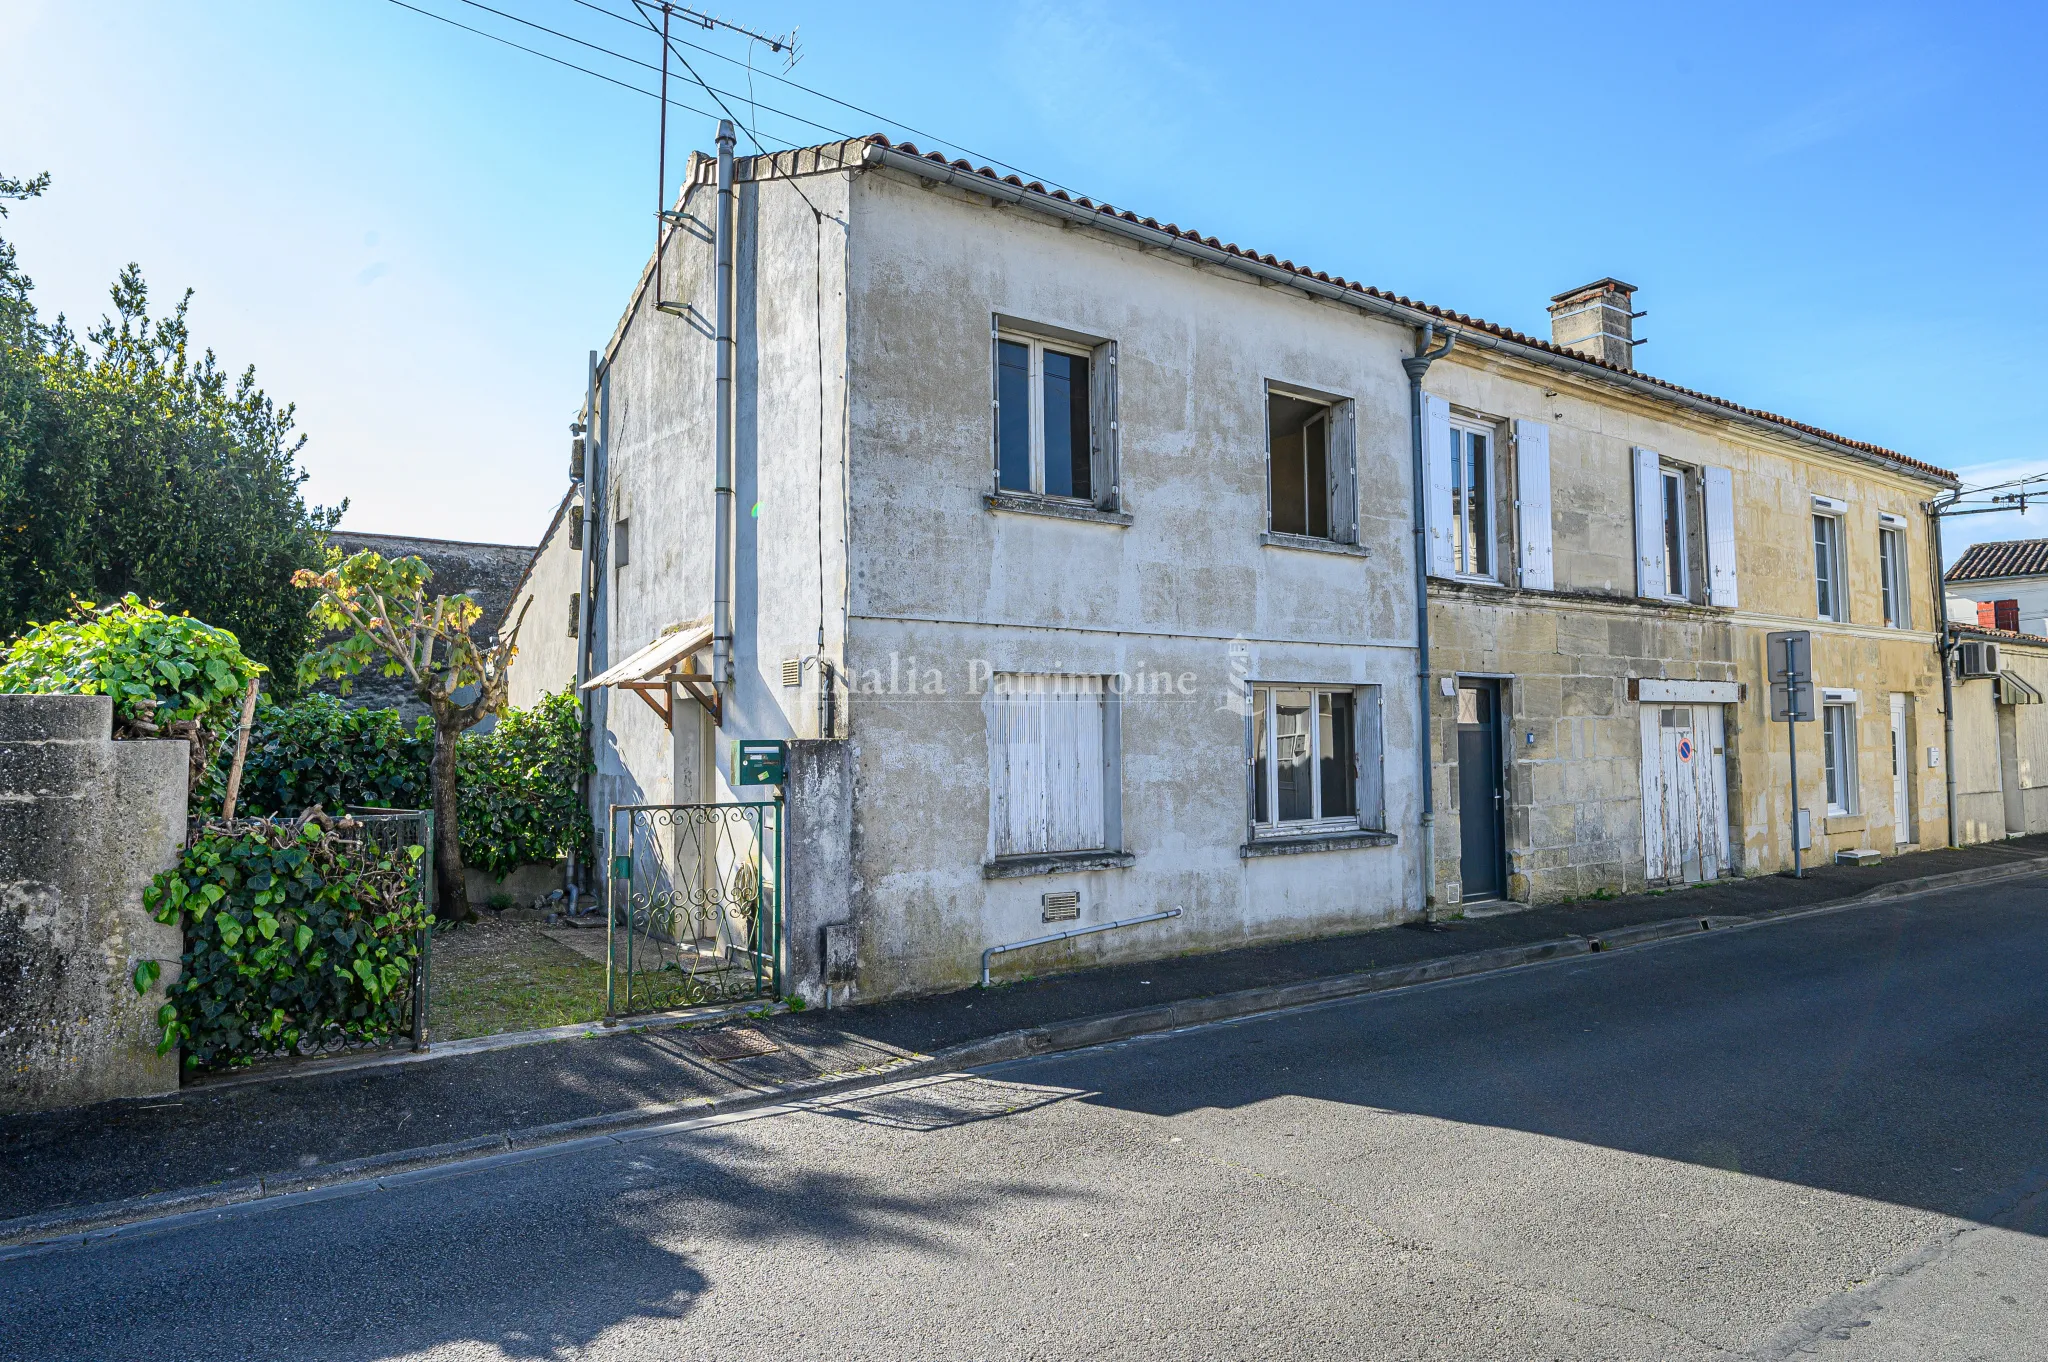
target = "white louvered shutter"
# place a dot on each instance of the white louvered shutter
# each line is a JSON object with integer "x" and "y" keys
{"x": 1718, "y": 503}
{"x": 1532, "y": 495}
{"x": 1436, "y": 460}
{"x": 1045, "y": 764}
{"x": 1650, "y": 580}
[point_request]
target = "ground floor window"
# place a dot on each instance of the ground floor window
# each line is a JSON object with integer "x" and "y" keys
{"x": 1315, "y": 759}
{"x": 1052, "y": 762}
{"x": 1838, "y": 756}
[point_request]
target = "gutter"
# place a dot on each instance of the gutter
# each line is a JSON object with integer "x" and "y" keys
{"x": 1417, "y": 365}
{"x": 1406, "y": 314}
{"x": 721, "y": 569}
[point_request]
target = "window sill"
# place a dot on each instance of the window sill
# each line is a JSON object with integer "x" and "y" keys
{"x": 1315, "y": 841}
{"x": 1847, "y": 822}
{"x": 1273, "y": 539}
{"x": 1023, "y": 503}
{"x": 1055, "y": 863}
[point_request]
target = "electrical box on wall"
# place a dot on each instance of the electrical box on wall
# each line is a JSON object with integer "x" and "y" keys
{"x": 759, "y": 761}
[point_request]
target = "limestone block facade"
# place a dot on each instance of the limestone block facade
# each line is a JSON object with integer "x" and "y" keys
{"x": 1568, "y": 660}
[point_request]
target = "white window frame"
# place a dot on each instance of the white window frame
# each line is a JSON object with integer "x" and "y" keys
{"x": 1037, "y": 346}
{"x": 1891, "y": 572}
{"x": 1668, "y": 477}
{"x": 1262, "y": 712}
{"x": 1838, "y": 759}
{"x": 1838, "y": 586}
{"x": 1461, "y": 512}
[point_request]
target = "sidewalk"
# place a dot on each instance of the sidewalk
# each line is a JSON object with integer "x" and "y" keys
{"x": 62, "y": 1171}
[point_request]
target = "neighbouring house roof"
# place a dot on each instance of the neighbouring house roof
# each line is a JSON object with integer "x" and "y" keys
{"x": 2010, "y": 558}
{"x": 905, "y": 156}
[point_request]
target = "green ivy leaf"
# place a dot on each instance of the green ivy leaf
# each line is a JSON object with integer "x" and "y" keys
{"x": 146, "y": 975}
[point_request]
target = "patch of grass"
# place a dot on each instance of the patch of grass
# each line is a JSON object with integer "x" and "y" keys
{"x": 506, "y": 976}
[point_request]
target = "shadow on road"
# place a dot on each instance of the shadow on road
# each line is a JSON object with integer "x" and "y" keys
{"x": 1899, "y": 1054}
{"x": 480, "y": 1259}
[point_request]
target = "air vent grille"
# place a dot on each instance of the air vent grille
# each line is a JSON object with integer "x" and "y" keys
{"x": 1064, "y": 906}
{"x": 792, "y": 671}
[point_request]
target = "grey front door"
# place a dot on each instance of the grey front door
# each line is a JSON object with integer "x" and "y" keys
{"x": 1481, "y": 803}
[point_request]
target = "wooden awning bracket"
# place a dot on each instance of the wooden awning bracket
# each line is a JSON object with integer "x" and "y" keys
{"x": 705, "y": 692}
{"x": 648, "y": 690}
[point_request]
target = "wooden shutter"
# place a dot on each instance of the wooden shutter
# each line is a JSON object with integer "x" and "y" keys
{"x": 1102, "y": 427}
{"x": 1650, "y": 579}
{"x": 1045, "y": 744}
{"x": 1436, "y": 460}
{"x": 1532, "y": 502}
{"x": 1717, "y": 501}
{"x": 1372, "y": 780}
{"x": 1342, "y": 461}
{"x": 995, "y": 406}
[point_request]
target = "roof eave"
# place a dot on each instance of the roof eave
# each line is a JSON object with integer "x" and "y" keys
{"x": 878, "y": 154}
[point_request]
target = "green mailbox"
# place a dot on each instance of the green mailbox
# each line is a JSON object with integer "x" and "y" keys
{"x": 759, "y": 761}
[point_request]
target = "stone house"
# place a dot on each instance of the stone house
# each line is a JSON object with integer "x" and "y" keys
{"x": 1077, "y": 557}
{"x": 2001, "y": 739}
{"x": 1608, "y": 553}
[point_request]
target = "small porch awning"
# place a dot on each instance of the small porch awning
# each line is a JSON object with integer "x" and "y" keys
{"x": 655, "y": 671}
{"x": 2014, "y": 690}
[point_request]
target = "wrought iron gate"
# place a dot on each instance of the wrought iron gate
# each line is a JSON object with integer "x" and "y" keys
{"x": 394, "y": 830}
{"x": 695, "y": 905}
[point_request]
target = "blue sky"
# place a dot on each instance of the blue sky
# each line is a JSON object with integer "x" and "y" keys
{"x": 1834, "y": 212}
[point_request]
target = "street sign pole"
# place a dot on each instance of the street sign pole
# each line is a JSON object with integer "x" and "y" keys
{"x": 1792, "y": 751}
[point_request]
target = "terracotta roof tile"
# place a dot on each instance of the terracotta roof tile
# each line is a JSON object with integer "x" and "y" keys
{"x": 1462, "y": 319}
{"x": 2009, "y": 558}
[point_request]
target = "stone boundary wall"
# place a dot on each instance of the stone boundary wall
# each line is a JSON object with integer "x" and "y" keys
{"x": 85, "y": 824}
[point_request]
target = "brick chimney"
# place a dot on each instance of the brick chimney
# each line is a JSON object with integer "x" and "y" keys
{"x": 1597, "y": 319}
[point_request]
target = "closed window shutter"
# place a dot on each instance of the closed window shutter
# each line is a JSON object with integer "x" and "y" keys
{"x": 1649, "y": 524}
{"x": 1046, "y": 763}
{"x": 1102, "y": 427}
{"x": 1718, "y": 503}
{"x": 1436, "y": 459}
{"x": 1532, "y": 497}
{"x": 1343, "y": 466}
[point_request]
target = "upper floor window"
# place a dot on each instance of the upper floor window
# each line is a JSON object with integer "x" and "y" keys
{"x": 1055, "y": 430}
{"x": 1685, "y": 531}
{"x": 1677, "y": 547}
{"x": 1891, "y": 566}
{"x": 1310, "y": 484}
{"x": 1830, "y": 588}
{"x": 1472, "y": 478}
{"x": 1043, "y": 439}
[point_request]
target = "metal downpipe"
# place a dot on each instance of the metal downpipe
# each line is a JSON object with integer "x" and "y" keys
{"x": 1417, "y": 365}
{"x": 1942, "y": 646}
{"x": 722, "y": 527}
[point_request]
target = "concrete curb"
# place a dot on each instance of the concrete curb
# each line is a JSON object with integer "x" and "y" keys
{"x": 476, "y": 1045}
{"x": 79, "y": 1225}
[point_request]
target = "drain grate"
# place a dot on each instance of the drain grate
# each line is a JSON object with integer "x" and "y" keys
{"x": 736, "y": 1042}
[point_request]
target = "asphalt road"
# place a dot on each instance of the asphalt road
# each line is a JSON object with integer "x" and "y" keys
{"x": 1821, "y": 1138}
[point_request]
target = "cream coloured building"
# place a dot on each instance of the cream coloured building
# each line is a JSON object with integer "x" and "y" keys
{"x": 1600, "y": 611}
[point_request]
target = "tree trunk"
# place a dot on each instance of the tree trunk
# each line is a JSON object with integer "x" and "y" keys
{"x": 450, "y": 885}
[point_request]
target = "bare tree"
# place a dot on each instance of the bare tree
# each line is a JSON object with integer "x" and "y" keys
{"x": 381, "y": 610}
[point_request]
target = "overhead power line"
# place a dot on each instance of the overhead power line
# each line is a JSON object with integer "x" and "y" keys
{"x": 545, "y": 56}
{"x": 834, "y": 99}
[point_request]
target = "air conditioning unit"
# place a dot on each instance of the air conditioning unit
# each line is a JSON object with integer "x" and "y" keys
{"x": 1976, "y": 658}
